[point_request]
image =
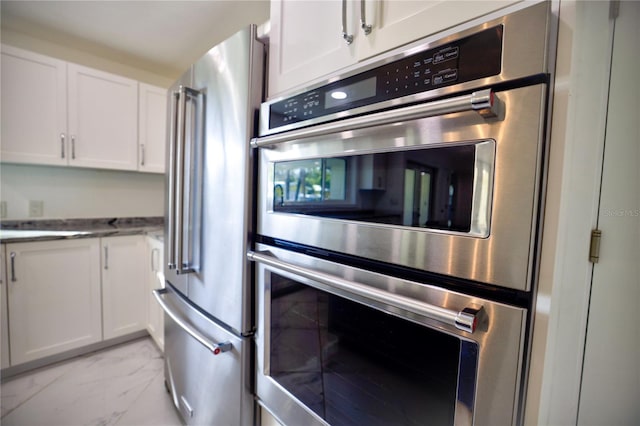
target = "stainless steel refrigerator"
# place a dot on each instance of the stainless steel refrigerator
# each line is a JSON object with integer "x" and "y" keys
{"x": 208, "y": 299}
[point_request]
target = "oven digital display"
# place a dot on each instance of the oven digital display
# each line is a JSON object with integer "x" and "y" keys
{"x": 352, "y": 93}
{"x": 470, "y": 58}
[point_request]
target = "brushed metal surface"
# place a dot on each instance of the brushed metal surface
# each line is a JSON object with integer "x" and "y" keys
{"x": 524, "y": 54}
{"x": 205, "y": 388}
{"x": 504, "y": 257}
{"x": 229, "y": 80}
{"x": 215, "y": 233}
{"x": 500, "y": 338}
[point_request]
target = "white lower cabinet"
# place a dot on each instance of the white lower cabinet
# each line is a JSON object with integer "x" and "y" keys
{"x": 124, "y": 284}
{"x": 53, "y": 290}
{"x": 155, "y": 325}
{"x": 4, "y": 323}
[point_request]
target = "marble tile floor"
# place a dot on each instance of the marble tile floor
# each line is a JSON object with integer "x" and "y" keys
{"x": 122, "y": 385}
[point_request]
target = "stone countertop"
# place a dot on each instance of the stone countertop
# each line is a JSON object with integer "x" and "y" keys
{"x": 57, "y": 229}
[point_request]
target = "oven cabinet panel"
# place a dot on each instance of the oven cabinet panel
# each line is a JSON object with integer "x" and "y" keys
{"x": 206, "y": 389}
{"x": 329, "y": 355}
{"x": 477, "y": 206}
{"x": 307, "y": 43}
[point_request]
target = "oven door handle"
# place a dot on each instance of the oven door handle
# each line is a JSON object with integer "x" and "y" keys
{"x": 466, "y": 320}
{"x": 485, "y": 102}
{"x": 215, "y": 348}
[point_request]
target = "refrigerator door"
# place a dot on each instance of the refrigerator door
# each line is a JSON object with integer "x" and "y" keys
{"x": 206, "y": 388}
{"x": 229, "y": 79}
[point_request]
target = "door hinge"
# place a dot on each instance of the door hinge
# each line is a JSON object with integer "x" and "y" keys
{"x": 614, "y": 9}
{"x": 594, "y": 249}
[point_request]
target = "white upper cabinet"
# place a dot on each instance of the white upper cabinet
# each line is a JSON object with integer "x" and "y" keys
{"x": 307, "y": 39}
{"x": 34, "y": 108}
{"x": 103, "y": 119}
{"x": 64, "y": 114}
{"x": 397, "y": 22}
{"x": 306, "y": 42}
{"x": 152, "y": 121}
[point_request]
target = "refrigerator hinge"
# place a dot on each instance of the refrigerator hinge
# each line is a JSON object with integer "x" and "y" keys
{"x": 594, "y": 249}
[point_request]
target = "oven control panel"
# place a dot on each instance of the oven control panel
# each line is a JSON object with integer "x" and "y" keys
{"x": 476, "y": 56}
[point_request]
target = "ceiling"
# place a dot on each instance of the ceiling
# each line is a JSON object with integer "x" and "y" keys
{"x": 165, "y": 36}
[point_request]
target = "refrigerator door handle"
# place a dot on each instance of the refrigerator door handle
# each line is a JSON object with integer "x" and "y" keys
{"x": 171, "y": 193}
{"x": 215, "y": 348}
{"x": 180, "y": 191}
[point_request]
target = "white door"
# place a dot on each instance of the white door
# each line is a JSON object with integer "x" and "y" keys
{"x": 155, "y": 325}
{"x": 103, "y": 119}
{"x": 306, "y": 42}
{"x": 124, "y": 284}
{"x": 4, "y": 319}
{"x": 152, "y": 113}
{"x": 398, "y": 22}
{"x": 610, "y": 393}
{"x": 54, "y": 297}
{"x": 34, "y": 108}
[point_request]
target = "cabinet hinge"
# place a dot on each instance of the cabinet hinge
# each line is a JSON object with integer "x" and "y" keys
{"x": 594, "y": 250}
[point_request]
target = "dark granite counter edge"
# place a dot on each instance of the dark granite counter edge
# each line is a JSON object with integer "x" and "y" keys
{"x": 86, "y": 228}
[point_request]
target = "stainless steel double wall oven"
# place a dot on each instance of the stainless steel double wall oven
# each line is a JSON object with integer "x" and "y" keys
{"x": 398, "y": 220}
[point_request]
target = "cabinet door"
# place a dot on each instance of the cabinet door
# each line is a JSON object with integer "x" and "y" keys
{"x": 306, "y": 36}
{"x": 155, "y": 326}
{"x": 54, "y": 297}
{"x": 34, "y": 108}
{"x": 398, "y": 22}
{"x": 306, "y": 42}
{"x": 152, "y": 122}
{"x": 4, "y": 323}
{"x": 123, "y": 285}
{"x": 103, "y": 119}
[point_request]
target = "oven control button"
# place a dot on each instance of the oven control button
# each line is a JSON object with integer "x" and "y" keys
{"x": 468, "y": 318}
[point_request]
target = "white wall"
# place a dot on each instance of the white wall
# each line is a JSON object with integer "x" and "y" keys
{"x": 80, "y": 193}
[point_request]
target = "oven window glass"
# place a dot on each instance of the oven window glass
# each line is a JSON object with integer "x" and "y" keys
{"x": 309, "y": 181}
{"x": 355, "y": 365}
{"x": 424, "y": 188}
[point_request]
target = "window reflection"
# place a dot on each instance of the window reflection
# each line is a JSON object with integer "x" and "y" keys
{"x": 425, "y": 188}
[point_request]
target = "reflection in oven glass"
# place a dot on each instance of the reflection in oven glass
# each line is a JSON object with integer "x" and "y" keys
{"x": 354, "y": 365}
{"x": 424, "y": 188}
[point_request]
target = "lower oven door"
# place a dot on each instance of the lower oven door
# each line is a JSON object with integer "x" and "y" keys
{"x": 343, "y": 346}
{"x": 207, "y": 368}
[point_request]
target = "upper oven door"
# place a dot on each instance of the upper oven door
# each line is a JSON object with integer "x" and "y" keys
{"x": 454, "y": 194}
